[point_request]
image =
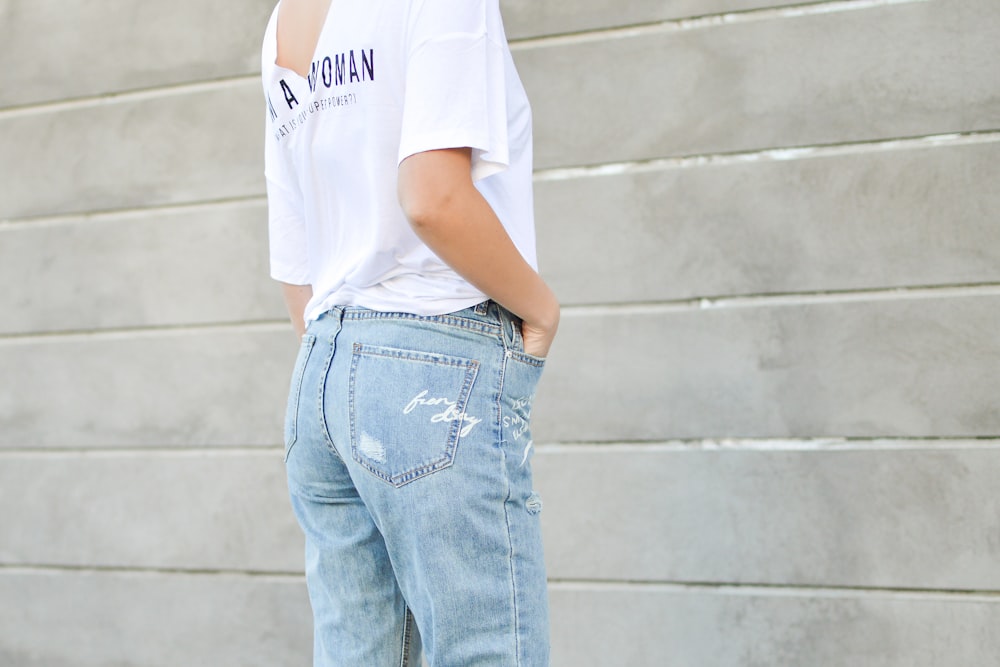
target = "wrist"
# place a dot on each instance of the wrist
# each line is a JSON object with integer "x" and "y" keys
{"x": 542, "y": 311}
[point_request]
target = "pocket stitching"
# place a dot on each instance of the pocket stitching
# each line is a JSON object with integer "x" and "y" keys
{"x": 529, "y": 359}
{"x": 447, "y": 457}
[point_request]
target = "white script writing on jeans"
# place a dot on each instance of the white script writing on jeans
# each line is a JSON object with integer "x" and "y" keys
{"x": 449, "y": 414}
{"x": 519, "y": 423}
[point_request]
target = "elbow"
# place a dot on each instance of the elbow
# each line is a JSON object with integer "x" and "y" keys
{"x": 419, "y": 209}
{"x": 426, "y": 207}
{"x": 433, "y": 187}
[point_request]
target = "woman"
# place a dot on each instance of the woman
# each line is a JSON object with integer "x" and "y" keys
{"x": 398, "y": 168}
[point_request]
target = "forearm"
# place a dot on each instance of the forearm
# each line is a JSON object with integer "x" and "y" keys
{"x": 460, "y": 226}
{"x": 469, "y": 238}
{"x": 296, "y": 298}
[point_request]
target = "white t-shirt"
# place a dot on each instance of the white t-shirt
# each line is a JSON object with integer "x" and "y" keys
{"x": 390, "y": 78}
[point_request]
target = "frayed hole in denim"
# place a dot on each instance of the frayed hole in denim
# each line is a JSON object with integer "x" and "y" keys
{"x": 533, "y": 503}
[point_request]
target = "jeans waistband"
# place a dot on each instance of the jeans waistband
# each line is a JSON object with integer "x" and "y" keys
{"x": 487, "y": 316}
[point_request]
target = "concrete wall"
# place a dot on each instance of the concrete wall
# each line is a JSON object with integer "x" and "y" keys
{"x": 769, "y": 424}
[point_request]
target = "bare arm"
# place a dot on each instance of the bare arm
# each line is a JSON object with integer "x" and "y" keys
{"x": 452, "y": 217}
{"x": 296, "y": 298}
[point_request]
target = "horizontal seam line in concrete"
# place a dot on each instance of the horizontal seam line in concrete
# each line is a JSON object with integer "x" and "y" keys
{"x": 692, "y": 161}
{"x": 44, "y": 568}
{"x": 138, "y": 451}
{"x": 832, "y": 444}
{"x": 797, "y": 590}
{"x": 85, "y": 217}
{"x": 770, "y": 300}
{"x": 781, "y": 154}
{"x": 701, "y": 22}
{"x": 146, "y": 331}
{"x": 916, "y": 443}
{"x": 777, "y": 590}
{"x": 136, "y": 94}
{"x": 693, "y": 304}
{"x": 669, "y": 25}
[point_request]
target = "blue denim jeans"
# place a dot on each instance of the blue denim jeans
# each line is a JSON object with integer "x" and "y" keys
{"x": 408, "y": 449}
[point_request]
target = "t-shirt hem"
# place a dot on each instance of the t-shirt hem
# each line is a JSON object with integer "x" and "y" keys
{"x": 410, "y": 306}
{"x": 485, "y": 161}
{"x": 290, "y": 276}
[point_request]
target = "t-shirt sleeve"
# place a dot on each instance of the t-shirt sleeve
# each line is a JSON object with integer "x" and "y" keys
{"x": 287, "y": 240}
{"x": 455, "y": 83}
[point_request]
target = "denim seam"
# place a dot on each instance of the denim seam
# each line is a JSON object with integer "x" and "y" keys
{"x": 308, "y": 342}
{"x": 320, "y": 406}
{"x": 404, "y": 660}
{"x": 505, "y": 476}
{"x": 526, "y": 358}
{"x": 412, "y": 355}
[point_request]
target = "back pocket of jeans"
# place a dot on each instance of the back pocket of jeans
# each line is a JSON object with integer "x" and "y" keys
{"x": 408, "y": 410}
{"x": 295, "y": 393}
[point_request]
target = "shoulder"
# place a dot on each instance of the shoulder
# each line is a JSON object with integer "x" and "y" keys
{"x": 452, "y": 16}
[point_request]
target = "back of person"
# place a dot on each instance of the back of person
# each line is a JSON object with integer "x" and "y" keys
{"x": 389, "y": 79}
{"x": 398, "y": 169}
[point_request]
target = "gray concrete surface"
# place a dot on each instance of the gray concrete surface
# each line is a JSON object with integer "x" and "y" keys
{"x": 710, "y": 627}
{"x": 163, "y": 620}
{"x": 188, "y": 387}
{"x": 170, "y": 146}
{"x": 528, "y": 18}
{"x": 97, "y": 619}
{"x": 908, "y": 367}
{"x": 108, "y": 46}
{"x": 187, "y": 510}
{"x": 884, "y": 514}
{"x": 820, "y": 222}
{"x": 891, "y": 71}
{"x": 150, "y": 268}
{"x": 911, "y": 367}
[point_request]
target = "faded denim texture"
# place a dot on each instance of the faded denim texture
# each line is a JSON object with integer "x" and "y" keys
{"x": 408, "y": 452}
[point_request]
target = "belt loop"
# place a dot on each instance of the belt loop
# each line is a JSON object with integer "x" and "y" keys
{"x": 483, "y": 307}
{"x": 515, "y": 332}
{"x": 510, "y": 326}
{"x": 336, "y": 315}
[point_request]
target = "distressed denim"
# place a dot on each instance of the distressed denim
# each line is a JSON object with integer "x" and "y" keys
{"x": 408, "y": 452}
